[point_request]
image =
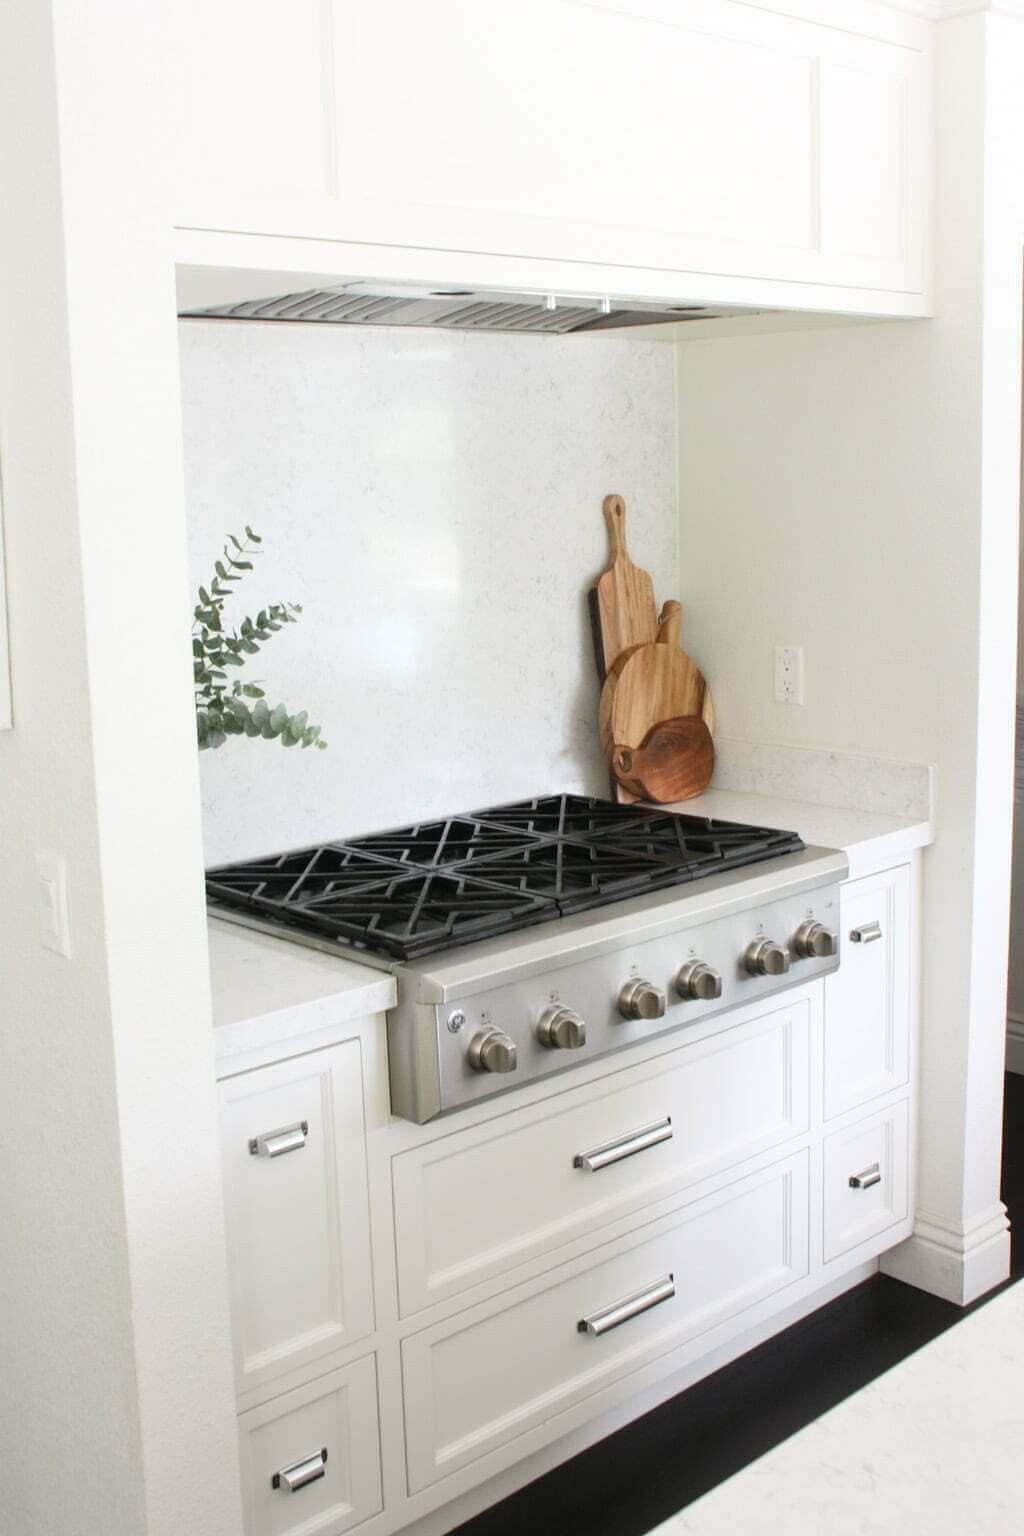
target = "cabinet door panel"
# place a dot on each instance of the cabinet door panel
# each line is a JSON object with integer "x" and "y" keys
{"x": 289, "y": 1486}
{"x": 545, "y": 109}
{"x": 708, "y": 136}
{"x": 258, "y": 94}
{"x": 867, "y": 1175}
{"x": 867, "y": 1001}
{"x": 482, "y": 1378}
{"x": 297, "y": 1212}
{"x": 718, "y": 1102}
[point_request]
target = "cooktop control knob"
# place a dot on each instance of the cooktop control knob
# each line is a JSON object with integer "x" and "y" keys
{"x": 813, "y": 941}
{"x": 561, "y": 1029}
{"x": 698, "y": 982}
{"x": 641, "y": 1000}
{"x": 766, "y": 958}
{"x": 491, "y": 1050}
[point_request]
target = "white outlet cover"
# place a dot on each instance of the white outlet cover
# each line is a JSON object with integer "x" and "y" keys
{"x": 789, "y": 674}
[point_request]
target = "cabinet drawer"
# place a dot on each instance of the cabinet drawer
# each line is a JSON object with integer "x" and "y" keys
{"x": 294, "y": 1160}
{"x": 866, "y": 1179}
{"x": 482, "y": 1378}
{"x": 867, "y": 1001}
{"x": 474, "y": 1204}
{"x": 311, "y": 1459}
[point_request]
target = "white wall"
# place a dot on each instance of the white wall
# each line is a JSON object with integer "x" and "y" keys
{"x": 116, "y": 1413}
{"x": 855, "y": 492}
{"x": 434, "y": 502}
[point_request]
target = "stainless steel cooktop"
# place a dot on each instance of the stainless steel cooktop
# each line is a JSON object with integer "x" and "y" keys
{"x": 533, "y": 937}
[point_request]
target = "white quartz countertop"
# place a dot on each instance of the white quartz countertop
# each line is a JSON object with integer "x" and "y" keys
{"x": 268, "y": 990}
{"x": 932, "y": 1448}
{"x": 865, "y": 836}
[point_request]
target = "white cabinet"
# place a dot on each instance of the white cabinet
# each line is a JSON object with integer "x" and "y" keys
{"x": 867, "y": 1001}
{"x": 866, "y": 1179}
{"x": 705, "y": 137}
{"x": 543, "y": 1259}
{"x": 588, "y": 1155}
{"x": 294, "y": 1159}
{"x": 480, "y": 1379}
{"x": 311, "y": 1458}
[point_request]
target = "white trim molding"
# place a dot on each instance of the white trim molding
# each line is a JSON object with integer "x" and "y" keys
{"x": 958, "y": 1262}
{"x": 1015, "y": 1042}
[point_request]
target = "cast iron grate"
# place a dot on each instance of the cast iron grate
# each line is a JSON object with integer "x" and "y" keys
{"x": 450, "y": 881}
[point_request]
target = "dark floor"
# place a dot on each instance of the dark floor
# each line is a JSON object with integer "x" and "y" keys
{"x": 641, "y": 1475}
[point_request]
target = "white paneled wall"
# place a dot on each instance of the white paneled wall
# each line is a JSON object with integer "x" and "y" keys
{"x": 434, "y": 502}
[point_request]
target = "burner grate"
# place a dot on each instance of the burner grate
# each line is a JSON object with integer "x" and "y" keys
{"x": 454, "y": 880}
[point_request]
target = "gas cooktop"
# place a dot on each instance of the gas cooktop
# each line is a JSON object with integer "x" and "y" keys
{"x": 459, "y": 879}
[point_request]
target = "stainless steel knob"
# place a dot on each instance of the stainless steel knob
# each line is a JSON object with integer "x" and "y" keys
{"x": 699, "y": 982}
{"x": 491, "y": 1050}
{"x": 641, "y": 1000}
{"x": 766, "y": 958}
{"x": 813, "y": 941}
{"x": 561, "y": 1029}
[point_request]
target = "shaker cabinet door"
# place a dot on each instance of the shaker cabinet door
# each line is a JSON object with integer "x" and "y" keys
{"x": 867, "y": 1001}
{"x": 294, "y": 1161}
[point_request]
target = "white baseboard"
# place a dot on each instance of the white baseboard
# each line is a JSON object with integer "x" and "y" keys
{"x": 1015, "y": 1042}
{"x": 957, "y": 1263}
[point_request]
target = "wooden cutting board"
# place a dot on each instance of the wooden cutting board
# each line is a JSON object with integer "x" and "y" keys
{"x": 674, "y": 762}
{"x": 654, "y": 683}
{"x": 670, "y": 622}
{"x": 622, "y": 609}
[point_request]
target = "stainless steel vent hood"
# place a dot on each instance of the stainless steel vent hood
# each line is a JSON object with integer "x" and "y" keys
{"x": 460, "y": 309}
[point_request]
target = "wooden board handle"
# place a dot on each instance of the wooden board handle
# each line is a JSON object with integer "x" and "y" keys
{"x": 670, "y": 624}
{"x": 615, "y": 517}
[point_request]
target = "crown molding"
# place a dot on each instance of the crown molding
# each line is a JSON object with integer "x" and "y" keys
{"x": 949, "y": 10}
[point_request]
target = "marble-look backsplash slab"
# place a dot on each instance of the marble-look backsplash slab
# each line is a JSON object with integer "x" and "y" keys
{"x": 433, "y": 500}
{"x": 818, "y": 776}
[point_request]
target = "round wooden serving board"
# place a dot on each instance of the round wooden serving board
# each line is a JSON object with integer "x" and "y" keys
{"x": 656, "y": 683}
{"x": 675, "y": 762}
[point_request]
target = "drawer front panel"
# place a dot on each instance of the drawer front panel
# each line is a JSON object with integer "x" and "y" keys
{"x": 294, "y": 1161}
{"x": 290, "y": 1487}
{"x": 867, "y": 1177}
{"x": 481, "y": 1379}
{"x": 476, "y": 1203}
{"x": 867, "y": 1001}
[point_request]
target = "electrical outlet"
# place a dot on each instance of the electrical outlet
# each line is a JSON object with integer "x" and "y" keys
{"x": 789, "y": 674}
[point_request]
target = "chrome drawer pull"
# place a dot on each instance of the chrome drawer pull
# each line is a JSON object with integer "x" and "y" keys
{"x": 867, "y": 1178}
{"x": 867, "y": 933}
{"x": 630, "y": 1306}
{"x": 292, "y": 1478}
{"x": 274, "y": 1143}
{"x": 625, "y": 1146}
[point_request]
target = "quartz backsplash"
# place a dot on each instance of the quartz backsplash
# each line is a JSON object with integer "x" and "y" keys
{"x": 433, "y": 500}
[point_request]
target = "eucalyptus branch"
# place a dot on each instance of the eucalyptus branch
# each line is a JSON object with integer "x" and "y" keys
{"x": 222, "y": 709}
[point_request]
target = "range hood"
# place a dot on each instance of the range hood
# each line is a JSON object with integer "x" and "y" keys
{"x": 460, "y": 309}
